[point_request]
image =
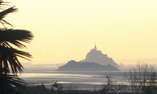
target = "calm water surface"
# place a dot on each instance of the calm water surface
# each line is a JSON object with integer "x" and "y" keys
{"x": 82, "y": 80}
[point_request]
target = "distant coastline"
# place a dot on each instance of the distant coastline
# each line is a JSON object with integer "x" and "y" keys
{"x": 86, "y": 66}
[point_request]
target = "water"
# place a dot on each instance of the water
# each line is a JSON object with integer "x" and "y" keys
{"x": 80, "y": 80}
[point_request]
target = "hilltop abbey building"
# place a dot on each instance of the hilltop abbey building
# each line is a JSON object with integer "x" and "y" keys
{"x": 97, "y": 56}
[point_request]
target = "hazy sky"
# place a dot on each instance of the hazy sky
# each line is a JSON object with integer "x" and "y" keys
{"x": 67, "y": 29}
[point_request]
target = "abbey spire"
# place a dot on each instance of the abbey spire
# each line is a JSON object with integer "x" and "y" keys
{"x": 95, "y": 47}
{"x": 97, "y": 56}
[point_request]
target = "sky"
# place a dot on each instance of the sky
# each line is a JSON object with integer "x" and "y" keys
{"x": 67, "y": 29}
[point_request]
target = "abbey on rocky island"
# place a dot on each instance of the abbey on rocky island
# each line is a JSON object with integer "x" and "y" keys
{"x": 98, "y": 57}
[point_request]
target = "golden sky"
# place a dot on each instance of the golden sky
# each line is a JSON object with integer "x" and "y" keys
{"x": 67, "y": 29}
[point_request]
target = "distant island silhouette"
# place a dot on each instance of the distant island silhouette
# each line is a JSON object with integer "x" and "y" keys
{"x": 86, "y": 66}
{"x": 98, "y": 57}
{"x": 95, "y": 61}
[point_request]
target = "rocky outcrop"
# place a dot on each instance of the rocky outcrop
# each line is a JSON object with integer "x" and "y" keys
{"x": 98, "y": 57}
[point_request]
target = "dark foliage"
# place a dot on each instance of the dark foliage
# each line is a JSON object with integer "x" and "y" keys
{"x": 11, "y": 84}
{"x": 9, "y": 63}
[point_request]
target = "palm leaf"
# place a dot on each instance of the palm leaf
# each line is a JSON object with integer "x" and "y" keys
{"x": 15, "y": 37}
{"x": 7, "y": 11}
{"x": 5, "y": 22}
{"x": 9, "y": 60}
{"x": 11, "y": 84}
{"x": 3, "y": 4}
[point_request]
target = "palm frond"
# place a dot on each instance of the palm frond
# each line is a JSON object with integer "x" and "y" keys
{"x": 15, "y": 36}
{"x": 11, "y": 84}
{"x": 4, "y": 4}
{"x": 5, "y": 22}
{"x": 9, "y": 60}
{"x": 9, "y": 63}
{"x": 7, "y": 11}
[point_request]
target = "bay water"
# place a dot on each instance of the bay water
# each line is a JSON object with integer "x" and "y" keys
{"x": 89, "y": 80}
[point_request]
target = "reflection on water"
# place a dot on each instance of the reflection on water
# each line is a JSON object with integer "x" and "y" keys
{"x": 81, "y": 79}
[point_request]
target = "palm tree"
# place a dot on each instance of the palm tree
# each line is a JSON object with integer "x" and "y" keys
{"x": 8, "y": 54}
{"x": 9, "y": 63}
{"x": 11, "y": 84}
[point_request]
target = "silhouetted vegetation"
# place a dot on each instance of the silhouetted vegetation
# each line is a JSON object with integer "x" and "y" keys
{"x": 109, "y": 87}
{"x": 58, "y": 87}
{"x": 113, "y": 88}
{"x": 9, "y": 63}
{"x": 142, "y": 79}
{"x": 41, "y": 89}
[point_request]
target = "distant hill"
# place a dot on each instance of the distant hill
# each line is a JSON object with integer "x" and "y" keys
{"x": 86, "y": 66}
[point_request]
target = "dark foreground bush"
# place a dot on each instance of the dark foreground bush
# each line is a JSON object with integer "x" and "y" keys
{"x": 41, "y": 89}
